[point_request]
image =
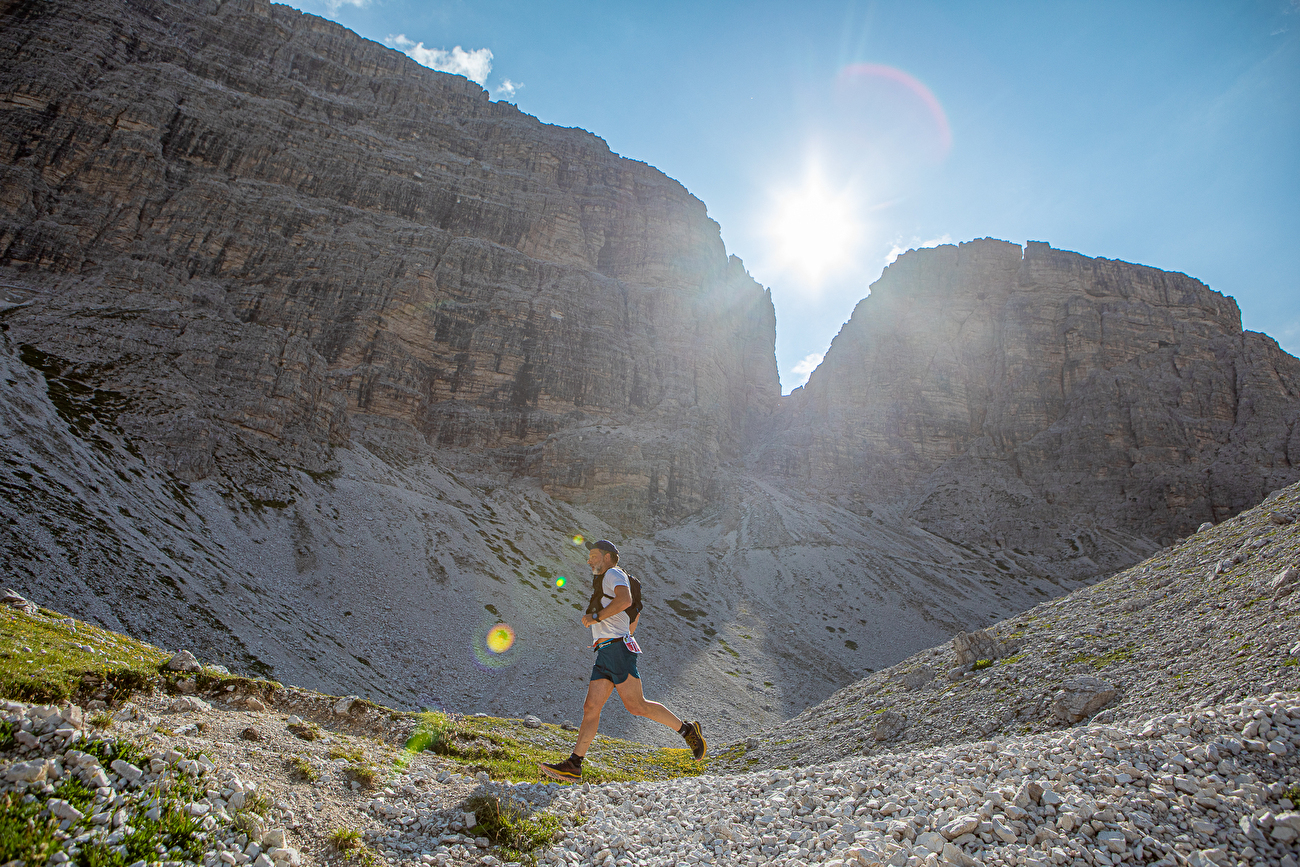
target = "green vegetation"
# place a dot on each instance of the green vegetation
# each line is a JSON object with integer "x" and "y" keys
{"x": 174, "y": 835}
{"x": 508, "y": 750}
{"x": 345, "y": 840}
{"x": 55, "y": 658}
{"x": 1120, "y": 654}
{"x": 352, "y": 754}
{"x": 301, "y": 767}
{"x": 1292, "y": 794}
{"x": 364, "y": 773}
{"x": 308, "y": 731}
{"x": 44, "y": 659}
{"x": 981, "y": 664}
{"x": 509, "y": 825}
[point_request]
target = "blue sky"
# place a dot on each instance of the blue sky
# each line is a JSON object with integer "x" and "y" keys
{"x": 824, "y": 137}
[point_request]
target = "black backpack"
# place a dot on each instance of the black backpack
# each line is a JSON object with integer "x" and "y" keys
{"x": 598, "y": 594}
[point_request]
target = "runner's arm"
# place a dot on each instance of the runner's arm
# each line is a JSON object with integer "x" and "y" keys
{"x": 622, "y": 601}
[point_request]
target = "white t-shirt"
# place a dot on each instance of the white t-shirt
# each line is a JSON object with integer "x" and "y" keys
{"x": 614, "y": 625}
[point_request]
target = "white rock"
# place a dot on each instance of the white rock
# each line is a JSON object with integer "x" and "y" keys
{"x": 343, "y": 706}
{"x": 126, "y": 770}
{"x": 930, "y": 841}
{"x": 61, "y": 809}
{"x": 1001, "y": 831}
{"x": 273, "y": 839}
{"x": 959, "y": 826}
{"x": 183, "y": 660}
{"x": 1113, "y": 840}
{"x": 26, "y": 772}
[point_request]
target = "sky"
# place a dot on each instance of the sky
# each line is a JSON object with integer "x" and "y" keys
{"x": 827, "y": 137}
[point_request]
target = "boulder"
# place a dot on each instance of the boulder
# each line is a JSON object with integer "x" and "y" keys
{"x": 183, "y": 660}
{"x": 1080, "y": 697}
{"x": 915, "y": 678}
{"x": 970, "y": 647}
{"x": 889, "y": 725}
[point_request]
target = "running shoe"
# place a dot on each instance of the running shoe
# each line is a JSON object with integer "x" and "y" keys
{"x": 567, "y": 771}
{"x": 694, "y": 738}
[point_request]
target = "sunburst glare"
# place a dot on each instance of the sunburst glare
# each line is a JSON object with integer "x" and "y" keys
{"x": 814, "y": 229}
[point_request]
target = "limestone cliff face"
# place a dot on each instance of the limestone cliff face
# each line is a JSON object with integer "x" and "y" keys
{"x": 1040, "y": 400}
{"x": 273, "y": 235}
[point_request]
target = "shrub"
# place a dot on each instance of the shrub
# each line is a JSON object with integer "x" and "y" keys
{"x": 509, "y": 825}
{"x": 345, "y": 839}
{"x": 301, "y": 767}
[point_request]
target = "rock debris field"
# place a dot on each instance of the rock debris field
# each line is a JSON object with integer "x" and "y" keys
{"x": 1151, "y": 719}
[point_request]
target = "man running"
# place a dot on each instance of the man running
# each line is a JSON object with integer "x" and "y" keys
{"x": 615, "y": 668}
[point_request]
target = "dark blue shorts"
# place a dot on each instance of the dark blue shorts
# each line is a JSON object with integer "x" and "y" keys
{"x": 614, "y": 662}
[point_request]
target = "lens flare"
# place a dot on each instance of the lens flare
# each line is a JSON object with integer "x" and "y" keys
{"x": 577, "y": 540}
{"x": 561, "y": 581}
{"x": 500, "y": 638}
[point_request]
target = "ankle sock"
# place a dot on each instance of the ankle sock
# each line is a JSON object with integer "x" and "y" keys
{"x": 686, "y": 727}
{"x": 576, "y": 759}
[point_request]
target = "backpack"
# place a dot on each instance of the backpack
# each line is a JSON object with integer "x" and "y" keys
{"x": 598, "y": 593}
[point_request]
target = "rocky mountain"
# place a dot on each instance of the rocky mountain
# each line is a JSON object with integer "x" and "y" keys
{"x": 1066, "y": 411}
{"x": 317, "y": 361}
{"x": 274, "y": 235}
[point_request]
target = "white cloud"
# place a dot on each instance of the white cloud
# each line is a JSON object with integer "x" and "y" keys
{"x": 508, "y": 88}
{"x": 804, "y": 369}
{"x": 897, "y": 249}
{"x": 336, "y": 5}
{"x": 474, "y": 65}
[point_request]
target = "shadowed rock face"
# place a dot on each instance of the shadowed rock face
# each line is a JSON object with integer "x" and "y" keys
{"x": 1046, "y": 402}
{"x": 272, "y": 234}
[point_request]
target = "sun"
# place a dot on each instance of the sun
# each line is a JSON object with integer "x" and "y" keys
{"x": 814, "y": 229}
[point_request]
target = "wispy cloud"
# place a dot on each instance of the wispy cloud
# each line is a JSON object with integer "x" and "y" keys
{"x": 508, "y": 88}
{"x": 474, "y": 65}
{"x": 336, "y": 5}
{"x": 898, "y": 248}
{"x": 801, "y": 371}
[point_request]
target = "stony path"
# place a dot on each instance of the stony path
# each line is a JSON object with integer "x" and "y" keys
{"x": 1208, "y": 786}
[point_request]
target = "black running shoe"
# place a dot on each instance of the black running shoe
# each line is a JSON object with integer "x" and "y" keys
{"x": 567, "y": 771}
{"x": 695, "y": 740}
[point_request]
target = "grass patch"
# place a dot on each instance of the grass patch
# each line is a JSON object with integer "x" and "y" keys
{"x": 364, "y": 773}
{"x": 52, "y": 659}
{"x": 24, "y": 836}
{"x": 27, "y": 837}
{"x": 509, "y": 825}
{"x": 981, "y": 664}
{"x": 308, "y": 731}
{"x": 345, "y": 840}
{"x": 302, "y": 768}
{"x": 1120, "y": 654}
{"x": 508, "y": 750}
{"x": 352, "y": 754}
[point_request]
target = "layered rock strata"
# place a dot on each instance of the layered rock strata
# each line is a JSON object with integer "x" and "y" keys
{"x": 1069, "y": 411}
{"x": 271, "y": 235}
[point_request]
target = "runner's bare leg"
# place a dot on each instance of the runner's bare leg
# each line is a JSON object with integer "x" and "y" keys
{"x": 598, "y": 692}
{"x": 636, "y": 703}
